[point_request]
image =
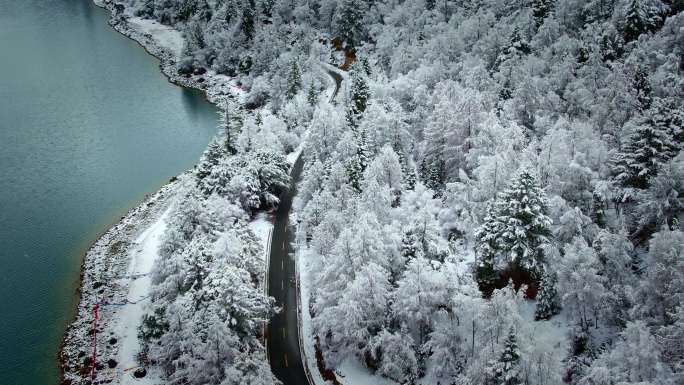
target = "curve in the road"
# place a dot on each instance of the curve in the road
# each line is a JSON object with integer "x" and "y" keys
{"x": 282, "y": 338}
{"x": 338, "y": 82}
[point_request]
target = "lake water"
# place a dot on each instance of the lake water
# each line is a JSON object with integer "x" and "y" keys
{"x": 88, "y": 127}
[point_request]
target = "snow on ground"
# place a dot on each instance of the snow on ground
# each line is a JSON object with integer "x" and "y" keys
{"x": 224, "y": 85}
{"x": 142, "y": 257}
{"x": 306, "y": 332}
{"x": 291, "y": 158}
{"x": 164, "y": 36}
{"x": 122, "y": 250}
{"x": 352, "y": 372}
{"x": 262, "y": 229}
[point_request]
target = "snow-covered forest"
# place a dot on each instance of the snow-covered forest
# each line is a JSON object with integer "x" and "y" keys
{"x": 491, "y": 198}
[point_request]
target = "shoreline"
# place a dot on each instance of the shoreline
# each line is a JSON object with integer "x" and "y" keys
{"x": 111, "y": 253}
{"x": 213, "y": 86}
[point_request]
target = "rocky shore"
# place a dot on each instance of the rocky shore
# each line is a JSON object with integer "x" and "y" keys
{"x": 111, "y": 255}
{"x": 107, "y": 258}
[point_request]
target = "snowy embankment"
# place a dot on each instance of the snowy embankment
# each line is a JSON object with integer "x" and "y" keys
{"x": 114, "y": 278}
{"x": 115, "y": 269}
{"x": 166, "y": 44}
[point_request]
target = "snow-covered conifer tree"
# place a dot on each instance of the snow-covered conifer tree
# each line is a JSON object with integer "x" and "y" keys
{"x": 548, "y": 301}
{"x": 294, "y": 81}
{"x": 505, "y": 371}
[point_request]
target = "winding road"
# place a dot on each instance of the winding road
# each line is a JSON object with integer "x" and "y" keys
{"x": 282, "y": 341}
{"x": 338, "y": 82}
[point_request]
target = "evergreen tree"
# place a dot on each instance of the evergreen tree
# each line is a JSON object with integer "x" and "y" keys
{"x": 487, "y": 248}
{"x": 430, "y": 4}
{"x": 521, "y": 223}
{"x": 598, "y": 214}
{"x": 548, "y": 302}
{"x": 643, "y": 16}
{"x": 411, "y": 180}
{"x": 365, "y": 64}
{"x": 230, "y": 122}
{"x": 436, "y": 177}
{"x": 210, "y": 158}
{"x": 540, "y": 10}
{"x": 360, "y": 94}
{"x": 348, "y": 28}
{"x": 362, "y": 150}
{"x": 506, "y": 370}
{"x": 354, "y": 173}
{"x": 231, "y": 11}
{"x": 312, "y": 95}
{"x": 646, "y": 149}
{"x": 516, "y": 47}
{"x": 294, "y": 81}
{"x": 185, "y": 9}
{"x": 411, "y": 246}
{"x": 247, "y": 21}
{"x": 642, "y": 87}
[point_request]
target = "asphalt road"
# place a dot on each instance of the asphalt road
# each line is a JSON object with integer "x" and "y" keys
{"x": 338, "y": 81}
{"x": 282, "y": 339}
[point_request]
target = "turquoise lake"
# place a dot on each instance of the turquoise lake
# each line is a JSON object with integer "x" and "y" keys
{"x": 88, "y": 127}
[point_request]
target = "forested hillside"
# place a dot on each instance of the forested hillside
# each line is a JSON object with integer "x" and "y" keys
{"x": 493, "y": 197}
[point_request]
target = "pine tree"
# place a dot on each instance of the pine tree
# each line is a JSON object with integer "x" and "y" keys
{"x": 312, "y": 95}
{"x": 354, "y": 173}
{"x": 294, "y": 81}
{"x": 411, "y": 180}
{"x": 642, "y": 17}
{"x": 540, "y": 10}
{"x": 348, "y": 28}
{"x": 230, "y": 122}
{"x": 642, "y": 87}
{"x": 410, "y": 246}
{"x": 487, "y": 248}
{"x": 365, "y": 64}
{"x": 211, "y": 157}
{"x": 362, "y": 151}
{"x": 648, "y": 147}
{"x": 548, "y": 302}
{"x": 185, "y": 9}
{"x": 247, "y": 22}
{"x": 430, "y": 4}
{"x": 505, "y": 371}
{"x": 598, "y": 214}
{"x": 516, "y": 47}
{"x": 436, "y": 176}
{"x": 360, "y": 94}
{"x": 522, "y": 210}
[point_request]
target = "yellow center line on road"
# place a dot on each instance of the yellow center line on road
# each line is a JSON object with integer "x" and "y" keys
{"x": 282, "y": 287}
{"x": 283, "y": 332}
{"x": 282, "y": 264}
{"x": 282, "y": 307}
{"x": 286, "y": 228}
{"x": 286, "y": 361}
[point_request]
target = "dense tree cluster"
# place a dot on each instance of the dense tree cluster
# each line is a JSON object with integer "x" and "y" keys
{"x": 208, "y": 306}
{"x": 528, "y": 149}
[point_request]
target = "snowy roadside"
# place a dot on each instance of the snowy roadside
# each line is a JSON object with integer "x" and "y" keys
{"x": 130, "y": 248}
{"x": 350, "y": 372}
